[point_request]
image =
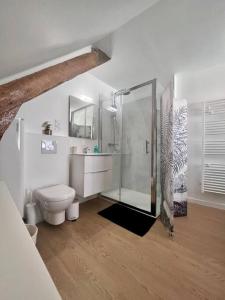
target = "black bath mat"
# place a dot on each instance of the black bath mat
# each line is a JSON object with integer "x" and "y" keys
{"x": 130, "y": 219}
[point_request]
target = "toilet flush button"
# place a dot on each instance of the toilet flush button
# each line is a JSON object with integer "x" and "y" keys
{"x": 48, "y": 147}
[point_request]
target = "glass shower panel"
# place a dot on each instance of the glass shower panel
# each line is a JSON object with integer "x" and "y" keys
{"x": 135, "y": 189}
{"x": 128, "y": 130}
{"x": 110, "y": 137}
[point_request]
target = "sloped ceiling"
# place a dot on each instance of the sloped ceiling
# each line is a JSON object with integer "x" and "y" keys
{"x": 33, "y": 32}
{"x": 146, "y": 39}
{"x": 171, "y": 36}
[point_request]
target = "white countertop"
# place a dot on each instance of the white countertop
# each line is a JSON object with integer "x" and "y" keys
{"x": 23, "y": 274}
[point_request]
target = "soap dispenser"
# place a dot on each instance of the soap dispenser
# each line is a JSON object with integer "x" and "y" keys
{"x": 96, "y": 149}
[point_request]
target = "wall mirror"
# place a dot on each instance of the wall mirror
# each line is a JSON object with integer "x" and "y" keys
{"x": 82, "y": 119}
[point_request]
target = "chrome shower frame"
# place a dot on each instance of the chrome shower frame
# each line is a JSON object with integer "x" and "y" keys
{"x": 153, "y": 179}
{"x": 153, "y": 167}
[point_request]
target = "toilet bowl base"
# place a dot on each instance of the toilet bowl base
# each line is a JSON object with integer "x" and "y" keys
{"x": 54, "y": 218}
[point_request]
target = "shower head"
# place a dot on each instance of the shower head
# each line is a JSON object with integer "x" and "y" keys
{"x": 112, "y": 108}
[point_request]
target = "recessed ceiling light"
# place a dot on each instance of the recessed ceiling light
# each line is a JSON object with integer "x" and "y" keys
{"x": 86, "y": 98}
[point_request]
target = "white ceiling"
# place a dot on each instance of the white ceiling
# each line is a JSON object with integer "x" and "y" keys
{"x": 149, "y": 38}
{"x": 35, "y": 31}
{"x": 171, "y": 36}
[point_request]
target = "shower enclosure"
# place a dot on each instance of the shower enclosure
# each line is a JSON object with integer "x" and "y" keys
{"x": 128, "y": 129}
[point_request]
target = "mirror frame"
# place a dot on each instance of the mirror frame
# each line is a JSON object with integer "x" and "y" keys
{"x": 94, "y": 130}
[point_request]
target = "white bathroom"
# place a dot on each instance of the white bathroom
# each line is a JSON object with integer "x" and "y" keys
{"x": 112, "y": 149}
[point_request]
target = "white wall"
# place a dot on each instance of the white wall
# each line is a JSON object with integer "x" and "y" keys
{"x": 171, "y": 36}
{"x": 12, "y": 163}
{"x": 46, "y": 169}
{"x": 198, "y": 87}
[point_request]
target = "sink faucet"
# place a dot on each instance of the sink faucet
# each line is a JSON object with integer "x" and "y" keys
{"x": 86, "y": 149}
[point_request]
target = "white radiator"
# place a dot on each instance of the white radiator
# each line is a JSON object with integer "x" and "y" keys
{"x": 213, "y": 147}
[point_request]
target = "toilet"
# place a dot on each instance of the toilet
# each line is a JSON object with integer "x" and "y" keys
{"x": 54, "y": 200}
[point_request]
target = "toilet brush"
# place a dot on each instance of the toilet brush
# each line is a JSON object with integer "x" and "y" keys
{"x": 30, "y": 209}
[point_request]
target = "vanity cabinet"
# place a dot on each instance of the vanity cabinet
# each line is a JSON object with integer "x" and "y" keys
{"x": 90, "y": 174}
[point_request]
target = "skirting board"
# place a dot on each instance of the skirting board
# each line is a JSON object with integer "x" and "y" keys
{"x": 207, "y": 203}
{"x": 82, "y": 199}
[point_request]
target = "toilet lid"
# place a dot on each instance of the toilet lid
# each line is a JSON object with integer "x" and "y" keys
{"x": 60, "y": 192}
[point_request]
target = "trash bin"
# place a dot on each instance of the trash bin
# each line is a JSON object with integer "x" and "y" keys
{"x": 33, "y": 231}
{"x": 30, "y": 210}
{"x": 72, "y": 212}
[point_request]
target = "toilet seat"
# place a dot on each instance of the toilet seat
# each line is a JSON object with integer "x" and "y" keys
{"x": 55, "y": 193}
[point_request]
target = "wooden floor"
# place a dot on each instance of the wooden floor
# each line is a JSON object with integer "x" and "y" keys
{"x": 93, "y": 258}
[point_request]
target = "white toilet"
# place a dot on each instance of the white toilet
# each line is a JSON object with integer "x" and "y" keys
{"x": 54, "y": 200}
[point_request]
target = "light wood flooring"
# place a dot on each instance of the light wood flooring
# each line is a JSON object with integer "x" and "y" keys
{"x": 93, "y": 258}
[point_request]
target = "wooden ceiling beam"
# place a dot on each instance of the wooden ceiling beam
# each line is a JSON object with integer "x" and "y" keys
{"x": 14, "y": 93}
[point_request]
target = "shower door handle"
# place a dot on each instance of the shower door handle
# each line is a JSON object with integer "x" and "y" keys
{"x": 146, "y": 146}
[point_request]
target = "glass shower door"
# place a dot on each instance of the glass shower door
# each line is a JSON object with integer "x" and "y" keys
{"x": 135, "y": 182}
{"x": 128, "y": 130}
{"x": 110, "y": 128}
